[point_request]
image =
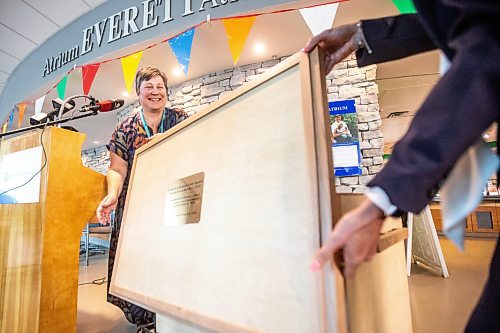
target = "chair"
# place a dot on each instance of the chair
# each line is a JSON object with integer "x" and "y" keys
{"x": 95, "y": 228}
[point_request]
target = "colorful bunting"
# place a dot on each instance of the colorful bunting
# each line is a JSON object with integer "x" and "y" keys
{"x": 405, "y": 6}
{"x": 181, "y": 46}
{"x": 129, "y": 67}
{"x": 237, "y": 31}
{"x": 11, "y": 119}
{"x": 20, "y": 116}
{"x": 39, "y": 104}
{"x": 61, "y": 87}
{"x": 319, "y": 18}
{"x": 88, "y": 75}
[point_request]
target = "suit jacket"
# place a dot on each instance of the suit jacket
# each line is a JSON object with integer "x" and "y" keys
{"x": 464, "y": 103}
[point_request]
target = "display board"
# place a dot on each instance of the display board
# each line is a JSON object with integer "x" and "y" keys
{"x": 226, "y": 210}
{"x": 223, "y": 213}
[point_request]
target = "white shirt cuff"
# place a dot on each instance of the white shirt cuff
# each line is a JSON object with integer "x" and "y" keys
{"x": 381, "y": 200}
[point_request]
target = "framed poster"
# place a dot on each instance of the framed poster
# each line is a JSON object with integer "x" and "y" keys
{"x": 20, "y": 177}
{"x": 345, "y": 138}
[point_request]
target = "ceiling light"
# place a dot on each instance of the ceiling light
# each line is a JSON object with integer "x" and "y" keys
{"x": 125, "y": 94}
{"x": 259, "y": 48}
{"x": 177, "y": 71}
{"x": 486, "y": 136}
{"x": 96, "y": 142}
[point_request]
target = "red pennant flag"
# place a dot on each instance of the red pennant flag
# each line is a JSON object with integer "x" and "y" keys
{"x": 88, "y": 75}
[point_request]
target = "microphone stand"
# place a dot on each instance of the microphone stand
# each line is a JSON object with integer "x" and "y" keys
{"x": 63, "y": 105}
{"x": 50, "y": 123}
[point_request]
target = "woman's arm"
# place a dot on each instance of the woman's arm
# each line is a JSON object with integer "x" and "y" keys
{"x": 115, "y": 177}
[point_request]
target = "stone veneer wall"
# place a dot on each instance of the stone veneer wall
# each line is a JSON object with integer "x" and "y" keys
{"x": 96, "y": 159}
{"x": 346, "y": 81}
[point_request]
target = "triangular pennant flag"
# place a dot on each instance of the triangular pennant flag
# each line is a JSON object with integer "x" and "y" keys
{"x": 319, "y": 18}
{"x": 61, "y": 87}
{"x": 181, "y": 46}
{"x": 405, "y": 6}
{"x": 129, "y": 67}
{"x": 11, "y": 119}
{"x": 88, "y": 75}
{"x": 237, "y": 31}
{"x": 20, "y": 116}
{"x": 39, "y": 104}
{"x": 4, "y": 128}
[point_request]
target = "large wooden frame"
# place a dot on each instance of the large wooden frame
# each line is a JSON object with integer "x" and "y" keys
{"x": 256, "y": 145}
{"x": 268, "y": 202}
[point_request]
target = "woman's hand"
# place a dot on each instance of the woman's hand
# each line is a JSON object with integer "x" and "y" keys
{"x": 107, "y": 205}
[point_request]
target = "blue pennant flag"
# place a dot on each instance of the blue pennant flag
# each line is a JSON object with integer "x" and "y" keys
{"x": 11, "y": 119}
{"x": 181, "y": 46}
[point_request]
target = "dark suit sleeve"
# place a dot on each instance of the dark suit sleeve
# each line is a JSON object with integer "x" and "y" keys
{"x": 393, "y": 38}
{"x": 464, "y": 103}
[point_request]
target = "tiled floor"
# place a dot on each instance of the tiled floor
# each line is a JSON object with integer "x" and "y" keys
{"x": 443, "y": 305}
{"x": 438, "y": 304}
{"x": 95, "y": 315}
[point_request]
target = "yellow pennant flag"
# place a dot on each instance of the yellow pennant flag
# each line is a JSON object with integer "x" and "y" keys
{"x": 237, "y": 31}
{"x": 4, "y": 128}
{"x": 129, "y": 67}
{"x": 22, "y": 108}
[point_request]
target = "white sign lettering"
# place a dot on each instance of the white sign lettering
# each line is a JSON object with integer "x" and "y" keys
{"x": 125, "y": 23}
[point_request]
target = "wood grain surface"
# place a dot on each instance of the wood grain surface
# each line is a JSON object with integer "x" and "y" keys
{"x": 39, "y": 242}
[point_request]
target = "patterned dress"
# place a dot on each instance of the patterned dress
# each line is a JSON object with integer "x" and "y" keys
{"x": 128, "y": 136}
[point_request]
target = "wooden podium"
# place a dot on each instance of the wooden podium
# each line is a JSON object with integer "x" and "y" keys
{"x": 225, "y": 211}
{"x": 39, "y": 242}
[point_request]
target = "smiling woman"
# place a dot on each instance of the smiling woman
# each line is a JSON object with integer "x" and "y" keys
{"x": 135, "y": 131}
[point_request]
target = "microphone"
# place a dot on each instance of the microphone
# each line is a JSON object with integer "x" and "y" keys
{"x": 41, "y": 117}
{"x": 104, "y": 106}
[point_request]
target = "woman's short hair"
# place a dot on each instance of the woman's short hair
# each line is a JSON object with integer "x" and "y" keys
{"x": 147, "y": 73}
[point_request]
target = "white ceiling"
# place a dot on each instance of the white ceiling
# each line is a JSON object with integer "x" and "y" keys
{"x": 25, "y": 24}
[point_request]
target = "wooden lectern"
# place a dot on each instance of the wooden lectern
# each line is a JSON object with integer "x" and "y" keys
{"x": 39, "y": 242}
{"x": 225, "y": 211}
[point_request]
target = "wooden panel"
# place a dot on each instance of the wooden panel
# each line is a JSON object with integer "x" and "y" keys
{"x": 21, "y": 252}
{"x": 378, "y": 296}
{"x": 436, "y": 215}
{"x": 490, "y": 209}
{"x": 390, "y": 238}
{"x": 244, "y": 267}
{"x": 378, "y": 299}
{"x": 435, "y": 208}
{"x": 41, "y": 253}
{"x": 497, "y": 205}
{"x": 329, "y": 200}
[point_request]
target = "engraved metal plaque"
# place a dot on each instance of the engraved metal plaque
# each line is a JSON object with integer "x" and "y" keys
{"x": 183, "y": 200}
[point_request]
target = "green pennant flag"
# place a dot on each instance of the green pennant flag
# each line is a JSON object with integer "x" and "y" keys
{"x": 405, "y": 6}
{"x": 61, "y": 87}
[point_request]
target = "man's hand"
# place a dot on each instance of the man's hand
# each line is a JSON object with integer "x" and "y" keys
{"x": 338, "y": 43}
{"x": 107, "y": 205}
{"x": 356, "y": 233}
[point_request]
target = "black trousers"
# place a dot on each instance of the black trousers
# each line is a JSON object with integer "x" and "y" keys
{"x": 486, "y": 316}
